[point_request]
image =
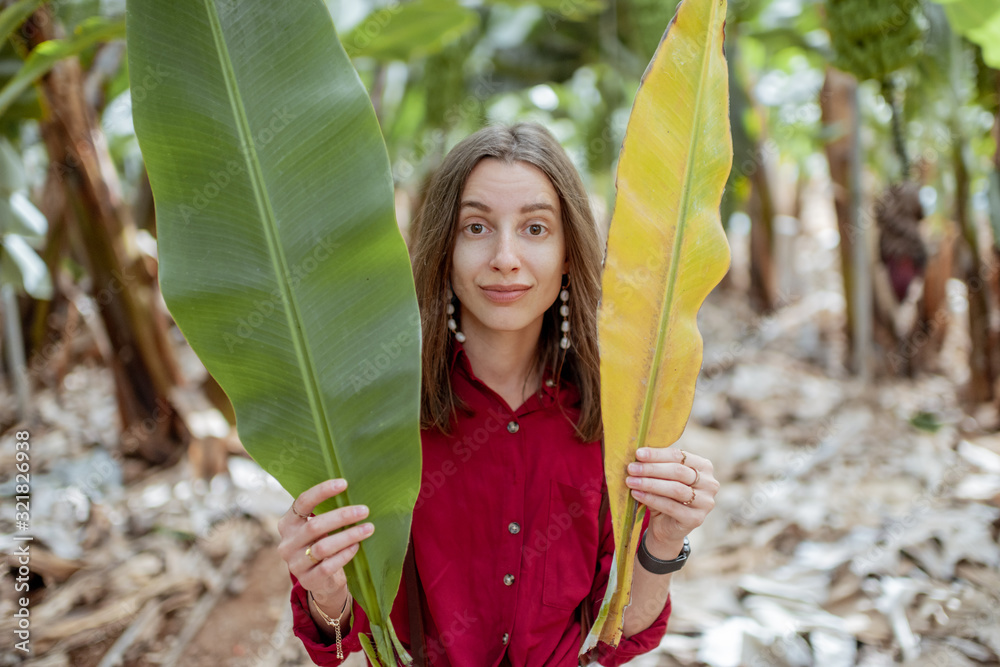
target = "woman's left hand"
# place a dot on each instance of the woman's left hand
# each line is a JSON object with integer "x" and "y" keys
{"x": 678, "y": 489}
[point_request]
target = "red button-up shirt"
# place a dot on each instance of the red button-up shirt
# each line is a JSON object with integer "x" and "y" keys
{"x": 505, "y": 537}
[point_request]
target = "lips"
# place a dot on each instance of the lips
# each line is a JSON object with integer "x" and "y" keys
{"x": 504, "y": 293}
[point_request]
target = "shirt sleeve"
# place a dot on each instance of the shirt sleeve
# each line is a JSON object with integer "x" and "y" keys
{"x": 640, "y": 642}
{"x": 305, "y": 628}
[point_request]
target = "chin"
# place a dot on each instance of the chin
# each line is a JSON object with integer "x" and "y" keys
{"x": 505, "y": 322}
{"x": 506, "y": 325}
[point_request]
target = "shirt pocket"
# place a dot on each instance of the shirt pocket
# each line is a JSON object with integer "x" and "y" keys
{"x": 571, "y": 557}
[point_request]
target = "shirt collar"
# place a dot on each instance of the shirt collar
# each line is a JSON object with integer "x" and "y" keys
{"x": 549, "y": 394}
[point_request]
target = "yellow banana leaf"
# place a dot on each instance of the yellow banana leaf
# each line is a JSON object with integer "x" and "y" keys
{"x": 666, "y": 251}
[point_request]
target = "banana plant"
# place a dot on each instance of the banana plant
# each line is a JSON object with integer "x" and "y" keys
{"x": 404, "y": 31}
{"x": 280, "y": 258}
{"x": 666, "y": 251}
{"x": 979, "y": 22}
{"x": 44, "y": 56}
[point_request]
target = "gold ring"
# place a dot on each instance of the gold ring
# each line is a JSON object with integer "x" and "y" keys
{"x": 311, "y": 557}
{"x": 697, "y": 476}
{"x": 297, "y": 513}
{"x": 691, "y": 500}
{"x": 684, "y": 456}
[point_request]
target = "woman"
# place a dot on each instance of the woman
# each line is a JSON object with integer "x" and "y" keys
{"x": 511, "y": 542}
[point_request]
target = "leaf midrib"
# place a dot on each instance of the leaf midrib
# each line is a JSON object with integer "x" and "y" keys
{"x": 278, "y": 260}
{"x": 668, "y": 294}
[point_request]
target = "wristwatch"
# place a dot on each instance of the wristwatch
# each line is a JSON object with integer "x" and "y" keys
{"x": 657, "y": 566}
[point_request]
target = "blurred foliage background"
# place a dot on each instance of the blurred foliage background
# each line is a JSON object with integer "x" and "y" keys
{"x": 865, "y": 126}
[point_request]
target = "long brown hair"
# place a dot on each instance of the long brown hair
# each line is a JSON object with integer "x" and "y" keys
{"x": 433, "y": 239}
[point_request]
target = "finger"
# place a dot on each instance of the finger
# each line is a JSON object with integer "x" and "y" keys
{"x": 660, "y": 455}
{"x": 699, "y": 463}
{"x": 342, "y": 539}
{"x": 309, "y": 499}
{"x": 689, "y": 516}
{"x": 671, "y": 471}
{"x": 320, "y": 526}
{"x": 669, "y": 489}
{"x": 673, "y": 455}
{"x": 306, "y": 502}
{"x": 324, "y": 576}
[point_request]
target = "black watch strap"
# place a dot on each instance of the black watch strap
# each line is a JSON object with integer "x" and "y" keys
{"x": 657, "y": 566}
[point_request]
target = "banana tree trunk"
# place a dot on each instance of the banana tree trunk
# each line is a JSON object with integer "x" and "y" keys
{"x": 752, "y": 165}
{"x": 763, "y": 278}
{"x": 982, "y": 362}
{"x": 143, "y": 362}
{"x": 995, "y": 268}
{"x": 13, "y": 346}
{"x": 838, "y": 108}
{"x": 835, "y": 104}
{"x": 926, "y": 338}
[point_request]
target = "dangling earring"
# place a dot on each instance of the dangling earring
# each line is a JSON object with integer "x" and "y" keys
{"x": 564, "y": 311}
{"x": 452, "y": 325}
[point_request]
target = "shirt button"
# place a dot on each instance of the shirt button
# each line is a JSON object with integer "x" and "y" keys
{"x": 514, "y": 528}
{"x": 512, "y": 427}
{"x": 505, "y": 638}
{"x": 508, "y": 579}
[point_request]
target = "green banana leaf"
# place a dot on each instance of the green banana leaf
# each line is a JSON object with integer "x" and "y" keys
{"x": 410, "y": 30}
{"x": 280, "y": 258}
{"x": 47, "y": 54}
{"x": 979, "y": 22}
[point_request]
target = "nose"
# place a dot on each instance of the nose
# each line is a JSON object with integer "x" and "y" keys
{"x": 505, "y": 255}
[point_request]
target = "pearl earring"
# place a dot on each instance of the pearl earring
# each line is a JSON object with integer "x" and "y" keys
{"x": 452, "y": 325}
{"x": 564, "y": 311}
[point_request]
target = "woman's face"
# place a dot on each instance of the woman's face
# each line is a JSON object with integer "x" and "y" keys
{"x": 510, "y": 252}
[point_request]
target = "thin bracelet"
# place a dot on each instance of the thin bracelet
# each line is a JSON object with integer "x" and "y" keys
{"x": 335, "y": 622}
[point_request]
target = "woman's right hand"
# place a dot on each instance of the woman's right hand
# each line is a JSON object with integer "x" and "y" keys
{"x": 330, "y": 540}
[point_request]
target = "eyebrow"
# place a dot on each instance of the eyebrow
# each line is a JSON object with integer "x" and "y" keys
{"x": 527, "y": 208}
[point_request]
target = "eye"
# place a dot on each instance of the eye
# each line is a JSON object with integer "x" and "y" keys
{"x": 536, "y": 230}
{"x": 475, "y": 228}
